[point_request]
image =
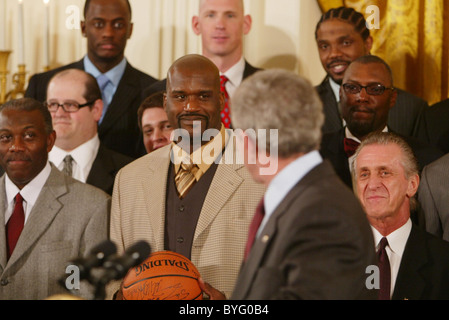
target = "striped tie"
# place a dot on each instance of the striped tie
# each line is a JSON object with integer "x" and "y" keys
{"x": 68, "y": 165}
{"x": 185, "y": 178}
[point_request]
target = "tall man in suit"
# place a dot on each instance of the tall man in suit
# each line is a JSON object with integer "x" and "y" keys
{"x": 107, "y": 27}
{"x": 342, "y": 36}
{"x": 75, "y": 103}
{"x": 367, "y": 97}
{"x": 434, "y": 198}
{"x": 201, "y": 211}
{"x": 434, "y": 126}
{"x": 386, "y": 179}
{"x": 222, "y": 25}
{"x": 48, "y": 217}
{"x": 314, "y": 241}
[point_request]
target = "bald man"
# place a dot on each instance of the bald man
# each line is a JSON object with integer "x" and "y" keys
{"x": 208, "y": 221}
{"x": 75, "y": 103}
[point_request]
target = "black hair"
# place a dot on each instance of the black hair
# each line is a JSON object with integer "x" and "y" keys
{"x": 348, "y": 15}
{"x": 86, "y": 8}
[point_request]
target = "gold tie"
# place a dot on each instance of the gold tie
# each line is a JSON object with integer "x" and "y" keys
{"x": 185, "y": 178}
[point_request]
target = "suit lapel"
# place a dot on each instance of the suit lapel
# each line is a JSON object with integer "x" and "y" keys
{"x": 157, "y": 167}
{"x": 410, "y": 282}
{"x": 3, "y": 205}
{"x": 224, "y": 184}
{"x": 333, "y": 120}
{"x": 44, "y": 211}
{"x": 101, "y": 174}
{"x": 125, "y": 94}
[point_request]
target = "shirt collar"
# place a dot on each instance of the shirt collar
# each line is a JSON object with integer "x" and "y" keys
{"x": 335, "y": 89}
{"x": 31, "y": 191}
{"x": 235, "y": 73}
{"x": 204, "y": 156}
{"x": 397, "y": 239}
{"x": 83, "y": 154}
{"x": 114, "y": 75}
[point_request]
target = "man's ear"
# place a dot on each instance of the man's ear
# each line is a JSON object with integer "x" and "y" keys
{"x": 97, "y": 109}
{"x": 196, "y": 25}
{"x": 247, "y": 23}
{"x": 413, "y": 185}
{"x": 83, "y": 28}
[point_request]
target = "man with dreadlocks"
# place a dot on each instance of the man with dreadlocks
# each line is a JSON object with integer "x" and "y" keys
{"x": 342, "y": 36}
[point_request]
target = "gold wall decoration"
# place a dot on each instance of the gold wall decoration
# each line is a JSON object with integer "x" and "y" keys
{"x": 413, "y": 38}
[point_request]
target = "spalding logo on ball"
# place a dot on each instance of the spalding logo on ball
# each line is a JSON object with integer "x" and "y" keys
{"x": 165, "y": 275}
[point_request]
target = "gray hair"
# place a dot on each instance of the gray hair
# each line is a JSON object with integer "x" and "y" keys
{"x": 281, "y": 100}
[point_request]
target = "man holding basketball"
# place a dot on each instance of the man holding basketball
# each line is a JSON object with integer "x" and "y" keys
{"x": 202, "y": 211}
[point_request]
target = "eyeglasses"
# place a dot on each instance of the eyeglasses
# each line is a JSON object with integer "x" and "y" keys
{"x": 67, "y": 106}
{"x": 374, "y": 89}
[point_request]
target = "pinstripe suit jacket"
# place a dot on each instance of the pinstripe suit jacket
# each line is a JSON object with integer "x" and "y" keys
{"x": 67, "y": 221}
{"x": 138, "y": 213}
{"x": 433, "y": 196}
{"x": 404, "y": 118}
{"x": 119, "y": 130}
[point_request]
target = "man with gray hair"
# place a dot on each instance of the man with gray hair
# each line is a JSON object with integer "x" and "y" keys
{"x": 314, "y": 241}
{"x": 413, "y": 264}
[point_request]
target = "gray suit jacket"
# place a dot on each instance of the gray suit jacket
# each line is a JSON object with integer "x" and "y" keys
{"x": 433, "y": 197}
{"x": 316, "y": 245}
{"x": 67, "y": 221}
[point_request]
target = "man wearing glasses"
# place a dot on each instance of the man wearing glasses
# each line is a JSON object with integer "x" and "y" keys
{"x": 367, "y": 95}
{"x": 74, "y": 101}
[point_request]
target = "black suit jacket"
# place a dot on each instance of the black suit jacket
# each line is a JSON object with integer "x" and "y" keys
{"x": 424, "y": 270}
{"x": 332, "y": 148}
{"x": 119, "y": 130}
{"x": 105, "y": 167}
{"x": 161, "y": 84}
{"x": 434, "y": 126}
{"x": 404, "y": 118}
{"x": 316, "y": 245}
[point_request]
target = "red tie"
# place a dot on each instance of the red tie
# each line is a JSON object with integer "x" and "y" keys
{"x": 385, "y": 272}
{"x": 15, "y": 225}
{"x": 350, "y": 146}
{"x": 226, "y": 113}
{"x": 254, "y": 226}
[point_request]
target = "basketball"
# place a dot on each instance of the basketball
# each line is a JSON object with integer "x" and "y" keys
{"x": 164, "y": 275}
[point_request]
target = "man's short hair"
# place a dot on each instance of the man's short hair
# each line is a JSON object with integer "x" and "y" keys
{"x": 30, "y": 104}
{"x": 348, "y": 15}
{"x": 87, "y": 4}
{"x": 369, "y": 58}
{"x": 281, "y": 100}
{"x": 156, "y": 100}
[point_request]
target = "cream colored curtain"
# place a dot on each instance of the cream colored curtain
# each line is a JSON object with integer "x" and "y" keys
{"x": 413, "y": 37}
{"x": 282, "y": 35}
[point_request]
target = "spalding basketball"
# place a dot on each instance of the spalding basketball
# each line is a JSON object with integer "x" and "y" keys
{"x": 165, "y": 275}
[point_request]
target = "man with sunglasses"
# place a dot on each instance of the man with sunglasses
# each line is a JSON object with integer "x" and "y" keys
{"x": 367, "y": 95}
{"x": 75, "y": 103}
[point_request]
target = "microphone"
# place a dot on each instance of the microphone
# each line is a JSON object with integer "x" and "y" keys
{"x": 96, "y": 258}
{"x": 118, "y": 266}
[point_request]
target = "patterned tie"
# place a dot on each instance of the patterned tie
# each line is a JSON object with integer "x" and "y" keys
{"x": 350, "y": 146}
{"x": 226, "y": 113}
{"x": 103, "y": 81}
{"x": 185, "y": 178}
{"x": 385, "y": 272}
{"x": 68, "y": 165}
{"x": 15, "y": 225}
{"x": 254, "y": 227}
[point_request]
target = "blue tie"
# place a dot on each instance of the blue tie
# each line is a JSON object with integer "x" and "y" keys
{"x": 103, "y": 82}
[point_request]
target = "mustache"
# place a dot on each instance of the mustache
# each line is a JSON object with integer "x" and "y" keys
{"x": 18, "y": 157}
{"x": 360, "y": 109}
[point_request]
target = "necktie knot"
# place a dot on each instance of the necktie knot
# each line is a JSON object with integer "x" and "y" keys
{"x": 185, "y": 178}
{"x": 350, "y": 146}
{"x": 223, "y": 81}
{"x": 102, "y": 81}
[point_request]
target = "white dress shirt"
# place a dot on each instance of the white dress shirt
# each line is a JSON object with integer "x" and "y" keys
{"x": 395, "y": 249}
{"x": 83, "y": 158}
{"x": 285, "y": 180}
{"x": 29, "y": 193}
{"x": 235, "y": 76}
